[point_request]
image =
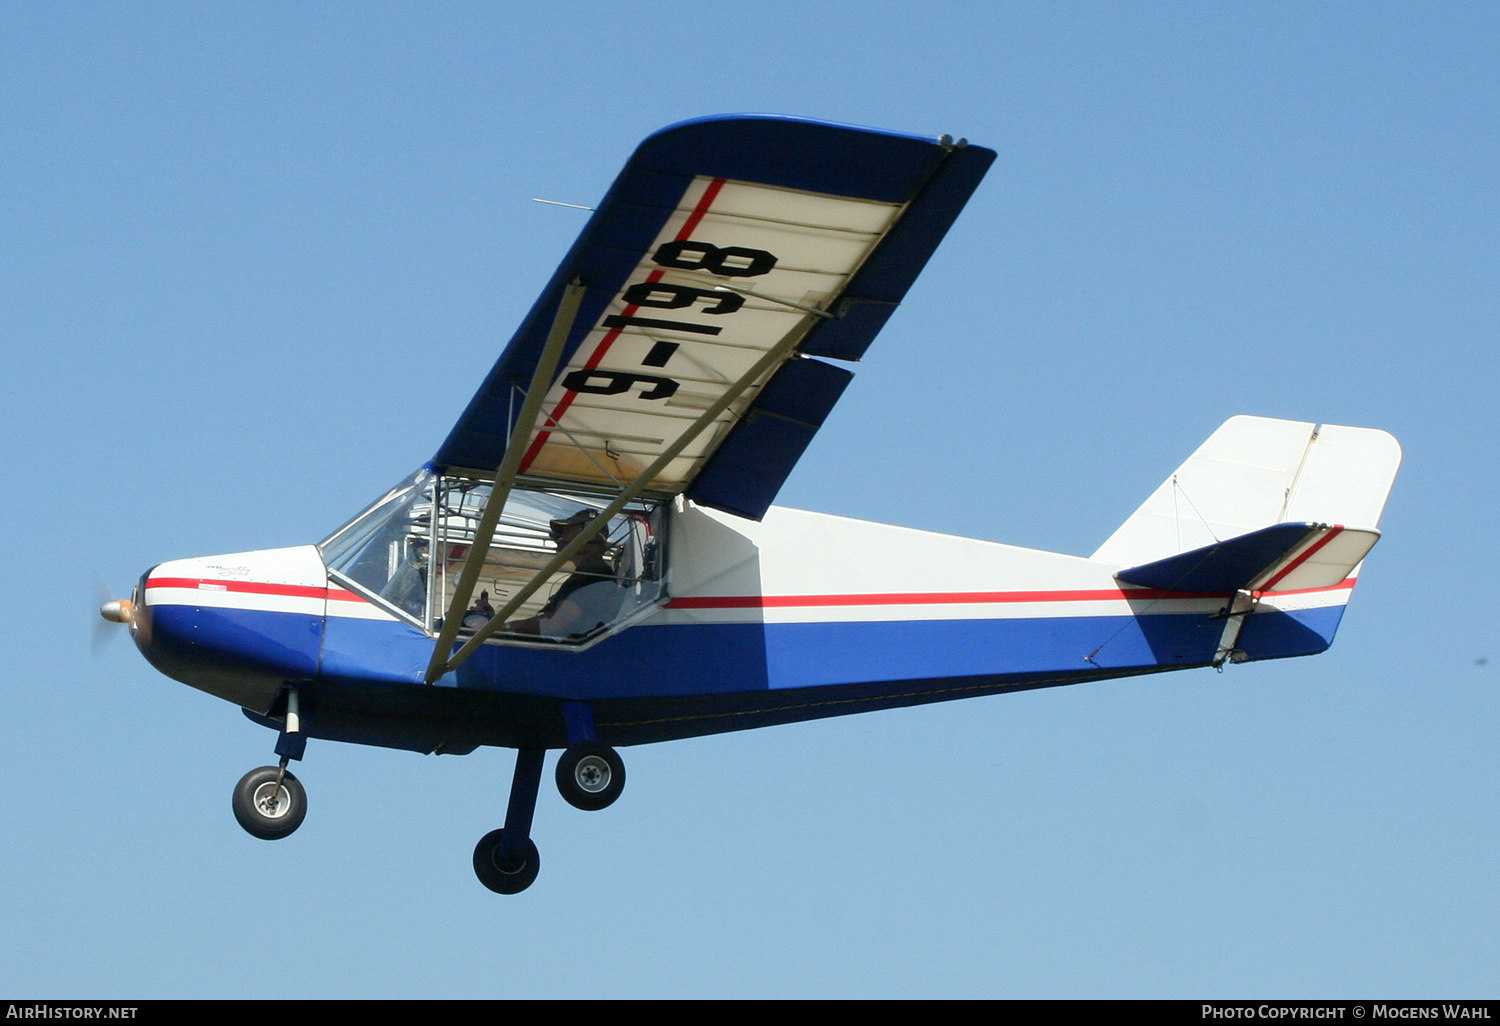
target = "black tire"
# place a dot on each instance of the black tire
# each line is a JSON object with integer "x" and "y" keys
{"x": 259, "y": 814}
{"x": 590, "y": 775}
{"x": 505, "y": 875}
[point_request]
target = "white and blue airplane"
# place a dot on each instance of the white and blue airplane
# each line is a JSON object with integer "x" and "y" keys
{"x": 591, "y": 559}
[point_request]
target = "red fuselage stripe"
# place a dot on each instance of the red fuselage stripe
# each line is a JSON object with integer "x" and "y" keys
{"x": 253, "y": 588}
{"x": 949, "y": 598}
{"x": 931, "y": 598}
{"x": 709, "y": 195}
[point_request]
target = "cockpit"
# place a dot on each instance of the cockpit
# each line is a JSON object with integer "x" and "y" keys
{"x": 407, "y": 550}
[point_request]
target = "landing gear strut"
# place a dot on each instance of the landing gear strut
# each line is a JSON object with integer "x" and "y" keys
{"x": 506, "y": 861}
{"x": 590, "y": 775}
{"x": 269, "y": 802}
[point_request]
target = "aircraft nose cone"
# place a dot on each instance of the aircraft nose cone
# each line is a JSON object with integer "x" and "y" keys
{"x": 118, "y": 611}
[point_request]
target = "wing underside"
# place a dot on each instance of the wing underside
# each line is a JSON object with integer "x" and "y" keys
{"x": 736, "y": 268}
{"x": 722, "y": 241}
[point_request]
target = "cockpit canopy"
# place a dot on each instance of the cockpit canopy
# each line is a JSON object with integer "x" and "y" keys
{"x": 399, "y": 555}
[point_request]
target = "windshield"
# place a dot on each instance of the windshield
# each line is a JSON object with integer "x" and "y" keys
{"x": 385, "y": 549}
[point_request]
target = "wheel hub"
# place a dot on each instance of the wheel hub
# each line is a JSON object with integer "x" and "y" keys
{"x": 272, "y": 801}
{"x": 592, "y": 773}
{"x": 510, "y": 864}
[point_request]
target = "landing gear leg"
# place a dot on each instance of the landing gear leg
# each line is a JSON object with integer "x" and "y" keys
{"x": 269, "y": 802}
{"x": 506, "y": 861}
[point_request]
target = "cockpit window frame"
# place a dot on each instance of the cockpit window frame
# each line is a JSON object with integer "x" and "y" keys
{"x": 537, "y": 506}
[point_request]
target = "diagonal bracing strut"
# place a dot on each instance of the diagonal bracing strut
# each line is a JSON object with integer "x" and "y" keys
{"x": 772, "y": 357}
{"x": 505, "y": 476}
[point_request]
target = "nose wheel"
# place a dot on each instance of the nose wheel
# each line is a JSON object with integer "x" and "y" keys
{"x": 590, "y": 775}
{"x": 269, "y": 802}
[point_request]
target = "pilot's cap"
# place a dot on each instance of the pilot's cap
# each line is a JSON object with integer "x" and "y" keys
{"x": 582, "y": 518}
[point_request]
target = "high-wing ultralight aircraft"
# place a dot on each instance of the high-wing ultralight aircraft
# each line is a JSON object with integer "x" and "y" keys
{"x": 591, "y": 559}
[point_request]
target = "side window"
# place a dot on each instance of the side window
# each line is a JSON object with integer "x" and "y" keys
{"x": 615, "y": 578}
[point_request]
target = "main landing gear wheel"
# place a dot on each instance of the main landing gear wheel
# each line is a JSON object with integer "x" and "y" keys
{"x": 268, "y": 810}
{"x": 505, "y": 872}
{"x": 590, "y": 775}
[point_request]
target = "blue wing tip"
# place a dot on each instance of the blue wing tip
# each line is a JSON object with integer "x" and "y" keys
{"x": 710, "y": 119}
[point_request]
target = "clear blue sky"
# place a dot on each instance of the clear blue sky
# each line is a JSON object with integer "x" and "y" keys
{"x": 254, "y": 259}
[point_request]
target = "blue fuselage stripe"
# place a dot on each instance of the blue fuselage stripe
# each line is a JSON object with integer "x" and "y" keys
{"x": 706, "y": 658}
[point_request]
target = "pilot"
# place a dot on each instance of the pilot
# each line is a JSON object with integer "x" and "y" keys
{"x": 407, "y": 587}
{"x": 480, "y": 613}
{"x": 583, "y": 601}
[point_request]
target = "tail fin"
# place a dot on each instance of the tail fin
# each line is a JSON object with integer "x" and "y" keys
{"x": 1255, "y": 472}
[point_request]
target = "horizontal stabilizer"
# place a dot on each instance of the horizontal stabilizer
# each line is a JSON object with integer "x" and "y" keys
{"x": 1282, "y": 557}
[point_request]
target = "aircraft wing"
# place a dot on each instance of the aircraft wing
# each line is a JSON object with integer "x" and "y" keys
{"x": 722, "y": 240}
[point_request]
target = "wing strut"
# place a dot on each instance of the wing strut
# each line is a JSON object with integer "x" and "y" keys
{"x": 772, "y": 357}
{"x": 505, "y": 476}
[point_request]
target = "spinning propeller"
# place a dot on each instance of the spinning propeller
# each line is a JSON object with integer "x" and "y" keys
{"x": 116, "y": 610}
